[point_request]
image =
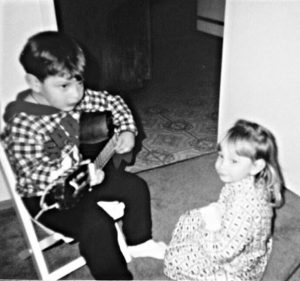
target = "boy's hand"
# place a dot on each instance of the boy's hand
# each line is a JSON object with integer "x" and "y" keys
{"x": 125, "y": 143}
{"x": 96, "y": 175}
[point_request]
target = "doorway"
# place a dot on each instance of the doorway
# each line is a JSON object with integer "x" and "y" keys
{"x": 115, "y": 35}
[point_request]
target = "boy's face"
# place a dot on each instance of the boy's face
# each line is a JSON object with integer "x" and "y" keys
{"x": 61, "y": 92}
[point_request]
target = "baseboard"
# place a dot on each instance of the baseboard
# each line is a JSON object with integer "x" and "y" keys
{"x": 210, "y": 27}
{"x": 6, "y": 204}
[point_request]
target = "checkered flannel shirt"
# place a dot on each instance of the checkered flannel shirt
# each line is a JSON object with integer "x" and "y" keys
{"x": 26, "y": 135}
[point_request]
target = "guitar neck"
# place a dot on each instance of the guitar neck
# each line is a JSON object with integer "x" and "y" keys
{"x": 106, "y": 153}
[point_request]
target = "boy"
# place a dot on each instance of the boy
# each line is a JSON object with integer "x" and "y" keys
{"x": 42, "y": 142}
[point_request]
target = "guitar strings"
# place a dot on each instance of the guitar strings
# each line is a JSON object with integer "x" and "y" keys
{"x": 106, "y": 153}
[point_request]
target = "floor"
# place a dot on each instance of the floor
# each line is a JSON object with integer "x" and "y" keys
{"x": 178, "y": 108}
{"x": 174, "y": 189}
{"x": 177, "y": 114}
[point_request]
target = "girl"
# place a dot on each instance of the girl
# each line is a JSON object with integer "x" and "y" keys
{"x": 231, "y": 238}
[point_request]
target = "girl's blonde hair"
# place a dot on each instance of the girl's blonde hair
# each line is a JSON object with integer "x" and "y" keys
{"x": 256, "y": 142}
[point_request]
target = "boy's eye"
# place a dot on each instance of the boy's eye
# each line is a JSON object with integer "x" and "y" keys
{"x": 64, "y": 86}
{"x": 234, "y": 161}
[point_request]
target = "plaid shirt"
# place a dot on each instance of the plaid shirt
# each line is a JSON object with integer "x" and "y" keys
{"x": 42, "y": 141}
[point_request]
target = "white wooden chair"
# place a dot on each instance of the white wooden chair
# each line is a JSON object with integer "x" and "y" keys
{"x": 36, "y": 246}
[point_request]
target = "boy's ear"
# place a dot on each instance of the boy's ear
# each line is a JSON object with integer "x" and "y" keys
{"x": 258, "y": 166}
{"x": 33, "y": 82}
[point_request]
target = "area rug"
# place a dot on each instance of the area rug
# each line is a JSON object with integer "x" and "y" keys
{"x": 181, "y": 131}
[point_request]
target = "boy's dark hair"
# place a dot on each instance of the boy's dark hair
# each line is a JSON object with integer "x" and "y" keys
{"x": 52, "y": 53}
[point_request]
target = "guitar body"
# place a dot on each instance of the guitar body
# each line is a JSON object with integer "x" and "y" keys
{"x": 64, "y": 194}
{"x": 97, "y": 141}
{"x": 96, "y": 128}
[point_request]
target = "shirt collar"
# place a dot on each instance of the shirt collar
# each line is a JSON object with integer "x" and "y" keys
{"x": 19, "y": 105}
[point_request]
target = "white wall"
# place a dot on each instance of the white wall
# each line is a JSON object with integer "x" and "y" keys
{"x": 19, "y": 19}
{"x": 260, "y": 77}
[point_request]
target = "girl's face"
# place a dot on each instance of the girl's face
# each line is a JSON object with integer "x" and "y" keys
{"x": 232, "y": 167}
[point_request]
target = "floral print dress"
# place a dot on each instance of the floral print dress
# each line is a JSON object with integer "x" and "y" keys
{"x": 237, "y": 251}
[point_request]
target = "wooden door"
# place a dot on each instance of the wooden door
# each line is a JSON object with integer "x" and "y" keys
{"x": 115, "y": 35}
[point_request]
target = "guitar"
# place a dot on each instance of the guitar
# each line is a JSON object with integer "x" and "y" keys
{"x": 97, "y": 146}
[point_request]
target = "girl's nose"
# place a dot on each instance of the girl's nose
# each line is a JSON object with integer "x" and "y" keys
{"x": 222, "y": 165}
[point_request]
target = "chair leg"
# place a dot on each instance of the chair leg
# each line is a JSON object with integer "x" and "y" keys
{"x": 66, "y": 269}
{"x": 44, "y": 244}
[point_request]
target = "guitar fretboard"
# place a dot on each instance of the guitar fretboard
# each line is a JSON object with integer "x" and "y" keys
{"x": 106, "y": 153}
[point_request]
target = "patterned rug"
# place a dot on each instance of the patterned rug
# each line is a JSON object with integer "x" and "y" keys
{"x": 176, "y": 131}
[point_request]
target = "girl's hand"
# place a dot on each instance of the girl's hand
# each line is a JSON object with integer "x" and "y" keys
{"x": 125, "y": 143}
{"x": 212, "y": 217}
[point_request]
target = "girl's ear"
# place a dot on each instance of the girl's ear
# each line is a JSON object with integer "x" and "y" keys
{"x": 33, "y": 82}
{"x": 258, "y": 166}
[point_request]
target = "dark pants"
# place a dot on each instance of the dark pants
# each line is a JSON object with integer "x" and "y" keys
{"x": 94, "y": 229}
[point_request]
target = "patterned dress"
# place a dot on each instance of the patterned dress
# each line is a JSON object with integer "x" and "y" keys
{"x": 237, "y": 251}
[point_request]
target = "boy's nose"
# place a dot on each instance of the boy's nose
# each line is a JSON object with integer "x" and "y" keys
{"x": 76, "y": 90}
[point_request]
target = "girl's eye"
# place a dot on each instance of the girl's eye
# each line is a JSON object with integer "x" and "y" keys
{"x": 64, "y": 86}
{"x": 234, "y": 161}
